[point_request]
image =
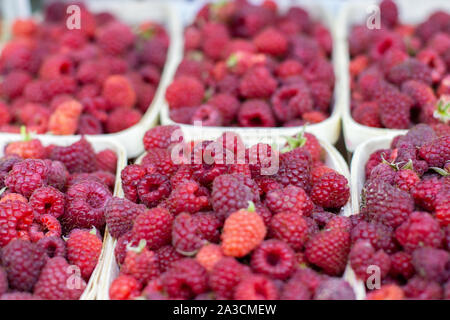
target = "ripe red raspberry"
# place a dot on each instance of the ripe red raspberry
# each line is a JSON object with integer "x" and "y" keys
{"x": 295, "y": 169}
{"x": 334, "y": 289}
{"x": 78, "y": 157}
{"x": 318, "y": 172}
{"x": 13, "y": 197}
{"x": 107, "y": 160}
{"x": 14, "y": 83}
{"x": 295, "y": 290}
{"x": 443, "y": 206}
{"x": 55, "y": 66}
{"x": 383, "y": 173}
{"x": 395, "y": 109}
{"x": 83, "y": 250}
{"x": 16, "y": 218}
{"x": 215, "y": 38}
{"x": 23, "y": 262}
{"x": 115, "y": 37}
{"x": 118, "y": 91}
{"x": 242, "y": 232}
{"x": 44, "y": 226}
{"x": 19, "y": 296}
{"x": 27, "y": 176}
{"x": 141, "y": 263}
{"x": 431, "y": 263}
{"x": 230, "y": 193}
{"x": 48, "y": 200}
{"x": 436, "y": 152}
{"x": 363, "y": 255}
{"x": 271, "y": 41}
{"x": 256, "y": 287}
{"x": 410, "y": 69}
{"x": 273, "y": 258}
{"x": 53, "y": 246}
{"x": 425, "y": 192}
{"x": 185, "y": 92}
{"x": 186, "y": 237}
{"x": 154, "y": 226}
{"x": 405, "y": 179}
{"x": 188, "y": 197}
{"x": 419, "y": 92}
{"x": 339, "y": 222}
{"x": 162, "y": 136}
{"x": 121, "y": 119}
{"x": 85, "y": 205}
{"x": 256, "y": 113}
{"x": 185, "y": 279}
{"x": 27, "y": 149}
{"x": 307, "y": 141}
{"x": 209, "y": 255}
{"x": 227, "y": 104}
{"x": 121, "y": 246}
{"x": 124, "y": 287}
{"x": 167, "y": 255}
{"x": 89, "y": 124}
{"x": 331, "y": 191}
{"x": 376, "y": 158}
{"x": 289, "y": 68}
{"x": 154, "y": 52}
{"x": 401, "y": 265}
{"x": 207, "y": 115}
{"x": 153, "y": 188}
{"x": 329, "y": 250}
{"x": 120, "y": 215}
{"x": 379, "y": 235}
{"x": 305, "y": 49}
{"x": 388, "y": 13}
{"x": 161, "y": 159}
{"x": 387, "y": 204}
{"x": 421, "y": 289}
{"x": 291, "y": 101}
{"x": 367, "y": 114}
{"x": 257, "y": 83}
{"x": 192, "y": 38}
{"x": 226, "y": 274}
{"x": 290, "y": 199}
{"x": 421, "y": 229}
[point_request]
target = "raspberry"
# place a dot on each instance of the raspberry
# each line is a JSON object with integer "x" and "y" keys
{"x": 14, "y": 83}
{"x": 47, "y": 200}
{"x": 419, "y": 92}
{"x": 53, "y": 246}
{"x": 162, "y": 137}
{"x": 27, "y": 149}
{"x": 45, "y": 223}
{"x": 185, "y": 92}
{"x": 387, "y": 204}
{"x": 5, "y": 115}
{"x": 187, "y": 197}
{"x": 54, "y": 66}
{"x": 314, "y": 117}
{"x": 436, "y": 152}
{"x": 307, "y": 141}
{"x": 334, "y": 289}
{"x": 115, "y": 37}
{"x": 420, "y": 230}
{"x": 442, "y": 206}
{"x": 227, "y": 104}
{"x": 154, "y": 52}
{"x": 120, "y": 214}
{"x": 339, "y": 222}
{"x": 121, "y": 246}
{"x": 34, "y": 91}
{"x": 209, "y": 255}
{"x": 383, "y": 173}
{"x": 23, "y": 262}
{"x": 387, "y": 292}
{"x": 83, "y": 250}
{"x": 318, "y": 172}
{"x": 27, "y": 176}
{"x": 154, "y": 226}
{"x": 243, "y": 231}
{"x": 122, "y": 118}
{"x": 167, "y": 255}
{"x": 295, "y": 290}
{"x": 78, "y": 157}
{"x": 13, "y": 197}
{"x": 411, "y": 69}
{"x": 367, "y": 114}
{"x": 118, "y": 92}
{"x": 107, "y": 160}
{"x": 388, "y": 13}
{"x": 186, "y": 238}
{"x": 320, "y": 69}
{"x": 270, "y": 41}
{"x": 395, "y": 109}
{"x": 289, "y": 68}
{"x": 331, "y": 191}
{"x": 161, "y": 159}
{"x": 419, "y": 288}
{"x": 141, "y": 263}
{"x": 379, "y": 235}
{"x": 363, "y": 255}
{"x": 124, "y": 287}
{"x": 16, "y": 218}
{"x": 256, "y": 113}
{"x": 295, "y": 169}
{"x": 207, "y": 115}
{"x": 185, "y": 279}
{"x": 401, "y": 265}
{"x": 19, "y": 296}
{"x": 290, "y": 199}
{"x": 256, "y": 287}
{"x": 6, "y": 164}
{"x": 64, "y": 119}
{"x": 130, "y": 177}
{"x": 230, "y": 193}
{"x": 192, "y": 38}
{"x": 153, "y": 188}
{"x": 215, "y": 39}
{"x": 425, "y": 191}
{"x": 405, "y": 179}
{"x": 291, "y": 101}
{"x": 329, "y": 250}
{"x": 89, "y": 124}
{"x": 305, "y": 49}
{"x": 274, "y": 258}
{"x": 431, "y": 263}
{"x": 85, "y": 205}
{"x": 257, "y": 83}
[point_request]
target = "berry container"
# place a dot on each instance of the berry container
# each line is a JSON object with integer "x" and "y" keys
{"x": 132, "y": 13}
{"x": 110, "y": 268}
{"x": 327, "y": 130}
{"x": 98, "y": 144}
{"x": 352, "y": 12}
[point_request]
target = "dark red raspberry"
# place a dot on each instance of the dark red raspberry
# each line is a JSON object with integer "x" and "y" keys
{"x": 186, "y": 236}
{"x": 379, "y": 235}
{"x": 295, "y": 169}
{"x": 411, "y": 69}
{"x": 363, "y": 255}
{"x": 115, "y": 37}
{"x": 421, "y": 289}
{"x": 57, "y": 175}
{"x": 188, "y": 197}
{"x": 225, "y": 276}
{"x": 376, "y": 158}
{"x": 262, "y": 159}
{"x": 334, "y": 289}
{"x": 121, "y": 246}
{"x": 207, "y": 115}
{"x": 367, "y": 114}
{"x": 120, "y": 215}
{"x": 431, "y": 264}
{"x": 257, "y": 83}
{"x": 6, "y": 164}
{"x": 53, "y": 246}
{"x": 154, "y": 52}
{"x": 48, "y": 200}
{"x": 256, "y": 113}
{"x": 331, "y": 191}
{"x": 436, "y": 152}
{"x": 185, "y": 279}
{"x": 395, "y": 109}
{"x": 339, "y": 222}
{"x": 154, "y": 226}
{"x": 309, "y": 278}
{"x": 443, "y": 205}
{"x": 85, "y": 205}
{"x": 78, "y": 157}
{"x": 401, "y": 265}
{"x": 141, "y": 263}
{"x": 83, "y": 250}
{"x": 329, "y": 250}
{"x": 162, "y": 137}
{"x": 215, "y": 38}
{"x": 27, "y": 176}
{"x": 107, "y": 160}
{"x": 185, "y": 92}
{"x": 295, "y": 290}
{"x": 230, "y": 193}
{"x": 305, "y": 49}
{"x": 122, "y": 118}
{"x": 425, "y": 191}
{"x": 256, "y": 287}
{"x": 383, "y": 173}
{"x": 419, "y": 92}
{"x": 273, "y": 258}
{"x": 167, "y": 255}
{"x": 14, "y": 83}
{"x": 16, "y": 218}
{"x": 322, "y": 217}
{"x": 419, "y": 230}
{"x": 45, "y": 226}
{"x": 388, "y": 13}
{"x": 153, "y": 188}
{"x": 161, "y": 159}
{"x": 23, "y": 262}
{"x": 405, "y": 179}
{"x": 130, "y": 176}
{"x": 227, "y": 104}
{"x": 291, "y": 101}
{"x": 290, "y": 199}
{"x": 271, "y": 41}
{"x": 124, "y": 287}
{"x": 105, "y": 177}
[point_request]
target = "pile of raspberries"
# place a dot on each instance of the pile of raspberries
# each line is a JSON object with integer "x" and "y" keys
{"x": 247, "y": 65}
{"x": 51, "y": 217}
{"x": 196, "y": 225}
{"x": 400, "y": 74}
{"x": 404, "y": 223}
{"x": 98, "y": 79}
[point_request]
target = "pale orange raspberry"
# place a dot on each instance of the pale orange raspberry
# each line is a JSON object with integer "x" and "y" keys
{"x": 65, "y": 118}
{"x": 208, "y": 255}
